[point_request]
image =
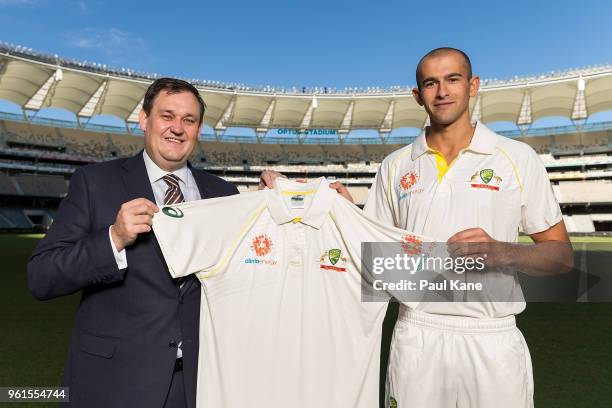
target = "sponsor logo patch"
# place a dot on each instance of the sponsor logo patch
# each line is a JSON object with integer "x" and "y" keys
{"x": 333, "y": 260}
{"x": 485, "y": 178}
{"x": 172, "y": 212}
{"x": 408, "y": 180}
{"x": 411, "y": 245}
{"x": 262, "y": 246}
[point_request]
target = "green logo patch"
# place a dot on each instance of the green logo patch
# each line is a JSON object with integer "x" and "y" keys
{"x": 486, "y": 175}
{"x": 172, "y": 212}
{"x": 392, "y": 402}
{"x": 334, "y": 255}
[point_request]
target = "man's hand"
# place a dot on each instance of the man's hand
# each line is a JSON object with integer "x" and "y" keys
{"x": 134, "y": 217}
{"x": 475, "y": 242}
{"x": 342, "y": 190}
{"x": 267, "y": 177}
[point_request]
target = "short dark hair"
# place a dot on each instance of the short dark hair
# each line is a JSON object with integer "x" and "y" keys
{"x": 440, "y": 51}
{"x": 171, "y": 86}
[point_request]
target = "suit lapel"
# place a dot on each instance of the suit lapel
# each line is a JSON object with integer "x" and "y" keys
{"x": 136, "y": 180}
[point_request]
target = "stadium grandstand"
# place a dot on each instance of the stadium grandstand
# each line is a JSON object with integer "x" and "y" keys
{"x": 302, "y": 132}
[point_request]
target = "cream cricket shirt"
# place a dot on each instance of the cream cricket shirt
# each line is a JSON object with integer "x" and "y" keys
{"x": 496, "y": 183}
{"x": 282, "y": 321}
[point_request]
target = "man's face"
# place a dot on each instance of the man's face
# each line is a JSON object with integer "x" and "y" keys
{"x": 171, "y": 129}
{"x": 445, "y": 89}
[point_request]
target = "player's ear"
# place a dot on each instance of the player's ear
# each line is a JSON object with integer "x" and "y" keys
{"x": 417, "y": 96}
{"x": 474, "y": 86}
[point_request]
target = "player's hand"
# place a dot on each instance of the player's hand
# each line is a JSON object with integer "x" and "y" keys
{"x": 475, "y": 242}
{"x": 134, "y": 217}
{"x": 267, "y": 177}
{"x": 342, "y": 190}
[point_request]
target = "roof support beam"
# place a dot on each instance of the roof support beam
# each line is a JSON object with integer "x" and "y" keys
{"x": 307, "y": 118}
{"x": 580, "y": 111}
{"x": 133, "y": 118}
{"x": 227, "y": 115}
{"x": 264, "y": 125}
{"x": 387, "y": 123}
{"x": 525, "y": 119}
{"x": 92, "y": 104}
{"x": 347, "y": 121}
{"x": 427, "y": 122}
{"x": 45, "y": 91}
{"x": 477, "y": 110}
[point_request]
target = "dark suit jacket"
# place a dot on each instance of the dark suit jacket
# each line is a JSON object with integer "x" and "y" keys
{"x": 123, "y": 346}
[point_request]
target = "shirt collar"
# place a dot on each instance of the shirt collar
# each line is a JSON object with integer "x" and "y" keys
{"x": 483, "y": 141}
{"x": 319, "y": 205}
{"x": 155, "y": 172}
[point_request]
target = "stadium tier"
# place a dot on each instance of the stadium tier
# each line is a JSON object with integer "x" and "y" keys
{"x": 313, "y": 131}
{"x": 36, "y": 162}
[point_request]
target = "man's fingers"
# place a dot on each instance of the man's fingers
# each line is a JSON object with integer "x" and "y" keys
{"x": 141, "y": 228}
{"x": 138, "y": 202}
{"x": 140, "y": 210}
{"x": 141, "y": 219}
{"x": 267, "y": 177}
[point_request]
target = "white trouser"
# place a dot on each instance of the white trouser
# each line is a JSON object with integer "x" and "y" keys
{"x": 441, "y": 361}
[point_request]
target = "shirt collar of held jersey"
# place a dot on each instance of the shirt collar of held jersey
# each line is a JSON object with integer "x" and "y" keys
{"x": 317, "y": 210}
{"x": 483, "y": 141}
{"x": 155, "y": 172}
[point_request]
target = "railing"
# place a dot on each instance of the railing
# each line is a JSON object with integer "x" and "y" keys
{"x": 548, "y": 131}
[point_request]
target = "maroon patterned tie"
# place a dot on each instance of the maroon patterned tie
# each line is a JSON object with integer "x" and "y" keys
{"x": 174, "y": 195}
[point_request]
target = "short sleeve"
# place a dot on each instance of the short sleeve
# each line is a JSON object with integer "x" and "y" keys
{"x": 201, "y": 236}
{"x": 539, "y": 207}
{"x": 378, "y": 204}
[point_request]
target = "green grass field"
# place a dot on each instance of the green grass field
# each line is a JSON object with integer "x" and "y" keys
{"x": 570, "y": 344}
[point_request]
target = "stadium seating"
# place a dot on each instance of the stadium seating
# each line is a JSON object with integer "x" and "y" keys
{"x": 15, "y": 218}
{"x": 85, "y": 143}
{"x": 262, "y": 154}
{"x": 125, "y": 145}
{"x": 304, "y": 153}
{"x": 32, "y": 135}
{"x": 42, "y": 185}
{"x": 7, "y": 186}
{"x": 344, "y": 153}
{"x": 217, "y": 153}
{"x": 584, "y": 191}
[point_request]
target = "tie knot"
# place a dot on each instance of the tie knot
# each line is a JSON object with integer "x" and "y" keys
{"x": 171, "y": 180}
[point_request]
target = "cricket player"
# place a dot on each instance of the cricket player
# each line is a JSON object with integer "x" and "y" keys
{"x": 466, "y": 185}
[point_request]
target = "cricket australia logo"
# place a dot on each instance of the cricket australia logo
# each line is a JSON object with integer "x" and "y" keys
{"x": 332, "y": 259}
{"x": 172, "y": 212}
{"x": 408, "y": 180}
{"x": 488, "y": 180}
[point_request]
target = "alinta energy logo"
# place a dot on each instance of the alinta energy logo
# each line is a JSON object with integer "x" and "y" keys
{"x": 407, "y": 181}
{"x": 333, "y": 260}
{"x": 172, "y": 212}
{"x": 488, "y": 180}
{"x": 262, "y": 246}
{"x": 411, "y": 245}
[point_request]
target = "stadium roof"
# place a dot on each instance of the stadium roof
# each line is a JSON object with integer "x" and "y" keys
{"x": 36, "y": 81}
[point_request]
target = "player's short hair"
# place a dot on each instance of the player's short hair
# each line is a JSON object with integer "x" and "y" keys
{"x": 441, "y": 51}
{"x": 171, "y": 86}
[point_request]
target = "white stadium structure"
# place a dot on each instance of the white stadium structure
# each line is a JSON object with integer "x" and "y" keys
{"x": 299, "y": 131}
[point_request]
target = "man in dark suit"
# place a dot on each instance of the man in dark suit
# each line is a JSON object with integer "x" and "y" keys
{"x": 135, "y": 340}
